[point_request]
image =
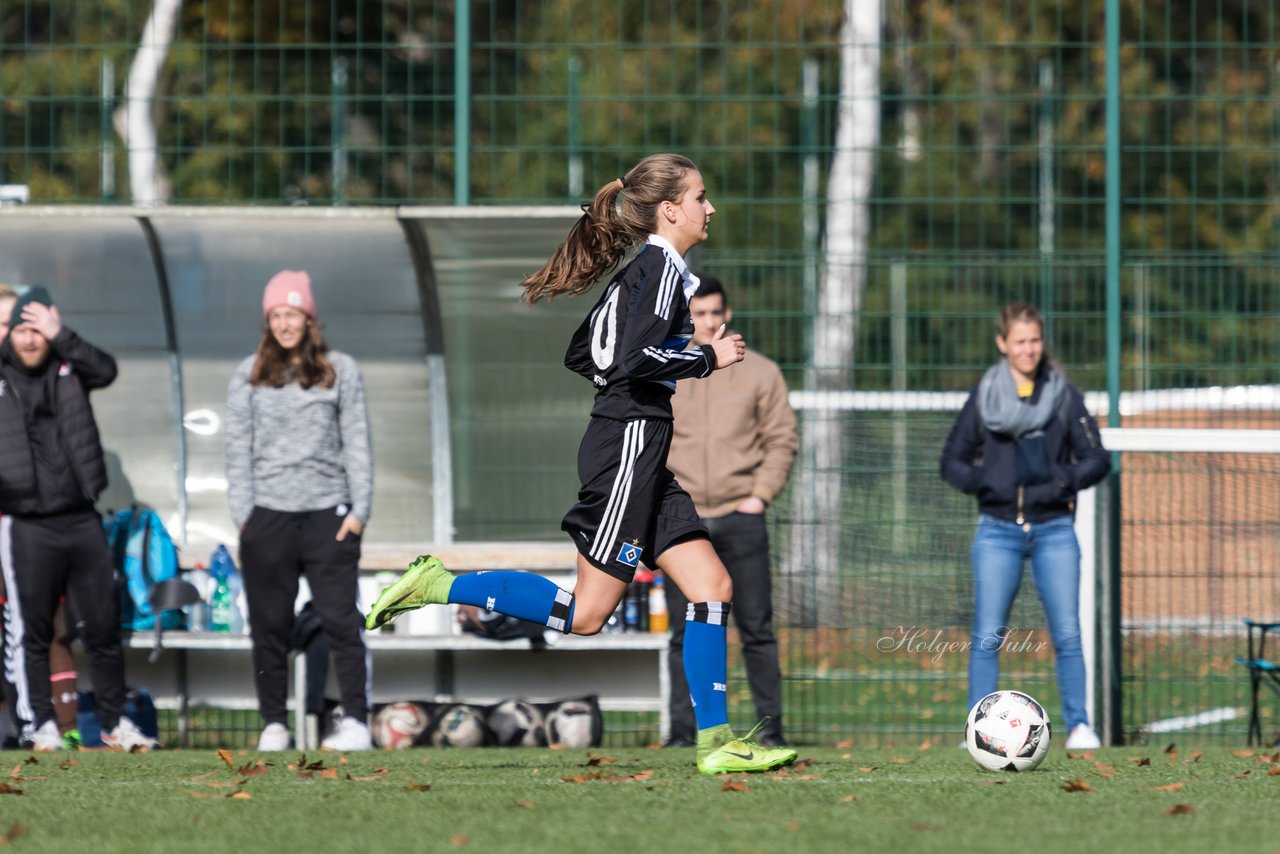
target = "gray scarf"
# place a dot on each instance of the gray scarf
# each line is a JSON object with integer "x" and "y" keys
{"x": 1005, "y": 413}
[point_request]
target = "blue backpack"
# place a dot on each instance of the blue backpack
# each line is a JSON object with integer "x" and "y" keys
{"x": 144, "y": 555}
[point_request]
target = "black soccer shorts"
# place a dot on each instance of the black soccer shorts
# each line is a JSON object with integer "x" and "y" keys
{"x": 630, "y": 508}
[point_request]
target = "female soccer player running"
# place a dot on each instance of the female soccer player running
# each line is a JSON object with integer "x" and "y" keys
{"x": 633, "y": 347}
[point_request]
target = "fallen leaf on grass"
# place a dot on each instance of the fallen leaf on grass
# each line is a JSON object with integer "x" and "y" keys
{"x": 793, "y": 826}
{"x": 68, "y": 763}
{"x": 1172, "y": 787}
{"x": 927, "y": 744}
{"x": 735, "y": 786}
{"x": 16, "y": 773}
{"x": 867, "y": 769}
{"x": 1172, "y": 748}
{"x": 898, "y": 760}
{"x": 1179, "y": 809}
{"x": 1274, "y": 771}
{"x": 847, "y": 744}
{"x": 378, "y": 774}
{"x": 1140, "y": 761}
{"x": 198, "y": 794}
{"x": 459, "y": 839}
{"x": 1242, "y": 753}
{"x": 240, "y": 796}
{"x": 1242, "y": 775}
{"x": 15, "y": 830}
{"x": 1084, "y": 754}
{"x": 6, "y": 789}
{"x": 204, "y": 776}
{"x": 1194, "y": 757}
{"x": 1076, "y": 786}
{"x": 225, "y": 756}
{"x": 31, "y": 760}
{"x": 848, "y": 799}
{"x": 600, "y": 760}
{"x": 303, "y": 765}
{"x": 995, "y": 783}
{"x": 1105, "y": 770}
{"x": 523, "y": 804}
{"x": 252, "y": 769}
{"x": 425, "y": 787}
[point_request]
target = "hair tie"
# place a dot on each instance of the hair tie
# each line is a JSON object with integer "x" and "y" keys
{"x": 622, "y": 183}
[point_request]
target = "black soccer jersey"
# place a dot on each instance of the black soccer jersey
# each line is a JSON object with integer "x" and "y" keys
{"x": 634, "y": 344}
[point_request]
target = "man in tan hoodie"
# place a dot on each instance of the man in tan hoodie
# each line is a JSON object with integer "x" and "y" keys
{"x": 733, "y": 445}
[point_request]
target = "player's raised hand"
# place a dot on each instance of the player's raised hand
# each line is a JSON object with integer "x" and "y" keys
{"x": 728, "y": 348}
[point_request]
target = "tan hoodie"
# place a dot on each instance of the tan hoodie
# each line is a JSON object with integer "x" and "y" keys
{"x": 734, "y": 435}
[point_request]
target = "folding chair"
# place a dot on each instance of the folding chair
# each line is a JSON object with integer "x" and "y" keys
{"x": 1261, "y": 671}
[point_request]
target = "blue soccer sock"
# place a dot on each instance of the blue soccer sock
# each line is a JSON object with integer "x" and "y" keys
{"x": 705, "y": 662}
{"x": 523, "y": 595}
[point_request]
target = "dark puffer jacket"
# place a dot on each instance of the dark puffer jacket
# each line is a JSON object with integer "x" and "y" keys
{"x": 74, "y": 369}
{"x": 981, "y": 463}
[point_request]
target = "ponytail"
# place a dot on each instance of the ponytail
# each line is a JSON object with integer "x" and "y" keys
{"x": 623, "y": 213}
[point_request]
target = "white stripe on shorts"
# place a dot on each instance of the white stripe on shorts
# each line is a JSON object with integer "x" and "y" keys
{"x": 632, "y": 445}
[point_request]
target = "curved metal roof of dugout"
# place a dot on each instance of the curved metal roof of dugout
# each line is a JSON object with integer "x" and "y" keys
{"x": 175, "y": 295}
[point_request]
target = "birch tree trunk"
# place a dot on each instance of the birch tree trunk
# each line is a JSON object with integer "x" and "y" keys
{"x": 133, "y": 119}
{"x": 812, "y": 594}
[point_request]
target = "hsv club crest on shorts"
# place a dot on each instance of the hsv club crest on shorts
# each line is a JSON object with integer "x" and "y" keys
{"x": 629, "y": 554}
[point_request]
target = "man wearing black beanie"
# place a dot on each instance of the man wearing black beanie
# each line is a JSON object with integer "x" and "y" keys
{"x": 51, "y": 473}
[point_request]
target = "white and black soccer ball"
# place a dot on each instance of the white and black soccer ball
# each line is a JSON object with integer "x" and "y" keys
{"x": 1007, "y": 731}
{"x": 515, "y": 723}
{"x": 570, "y": 724}
{"x": 459, "y": 725}
{"x": 397, "y": 725}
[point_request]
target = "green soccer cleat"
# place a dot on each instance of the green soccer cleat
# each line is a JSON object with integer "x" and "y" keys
{"x": 425, "y": 582}
{"x": 742, "y": 755}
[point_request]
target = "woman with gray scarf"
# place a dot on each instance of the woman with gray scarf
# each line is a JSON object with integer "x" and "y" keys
{"x": 1024, "y": 445}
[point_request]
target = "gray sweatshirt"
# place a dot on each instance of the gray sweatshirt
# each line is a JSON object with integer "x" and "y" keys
{"x": 295, "y": 449}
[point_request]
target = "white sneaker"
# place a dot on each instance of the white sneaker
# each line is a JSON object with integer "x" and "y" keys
{"x": 350, "y": 734}
{"x": 127, "y": 737}
{"x": 47, "y": 738}
{"x": 1083, "y": 737}
{"x": 274, "y": 738}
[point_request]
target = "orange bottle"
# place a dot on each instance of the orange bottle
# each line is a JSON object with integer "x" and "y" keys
{"x": 659, "y": 619}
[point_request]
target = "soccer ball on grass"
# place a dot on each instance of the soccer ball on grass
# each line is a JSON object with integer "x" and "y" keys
{"x": 1007, "y": 731}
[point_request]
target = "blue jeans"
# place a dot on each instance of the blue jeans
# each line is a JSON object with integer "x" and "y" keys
{"x": 999, "y": 549}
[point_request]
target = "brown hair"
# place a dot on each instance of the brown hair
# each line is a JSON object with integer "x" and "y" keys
{"x": 275, "y": 366}
{"x": 6, "y": 291}
{"x": 1025, "y": 312}
{"x": 622, "y": 214}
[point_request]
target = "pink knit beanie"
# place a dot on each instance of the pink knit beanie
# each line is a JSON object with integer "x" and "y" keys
{"x": 291, "y": 288}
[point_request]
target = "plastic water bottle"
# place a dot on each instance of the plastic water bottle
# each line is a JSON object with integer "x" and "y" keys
{"x": 198, "y": 613}
{"x": 222, "y": 603}
{"x": 659, "y": 619}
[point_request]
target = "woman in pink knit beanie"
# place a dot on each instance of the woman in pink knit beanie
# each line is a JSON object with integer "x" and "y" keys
{"x": 300, "y": 484}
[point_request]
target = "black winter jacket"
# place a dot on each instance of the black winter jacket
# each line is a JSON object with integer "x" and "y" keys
{"x": 981, "y": 463}
{"x": 75, "y": 368}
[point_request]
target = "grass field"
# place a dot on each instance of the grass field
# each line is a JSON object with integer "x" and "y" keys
{"x": 928, "y": 797}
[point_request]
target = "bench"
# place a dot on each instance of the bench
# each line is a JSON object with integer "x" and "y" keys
{"x": 424, "y": 656}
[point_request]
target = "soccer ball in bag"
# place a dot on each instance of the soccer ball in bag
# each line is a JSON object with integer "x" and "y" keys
{"x": 1007, "y": 731}
{"x": 570, "y": 724}
{"x": 515, "y": 723}
{"x": 397, "y": 725}
{"x": 460, "y": 726}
